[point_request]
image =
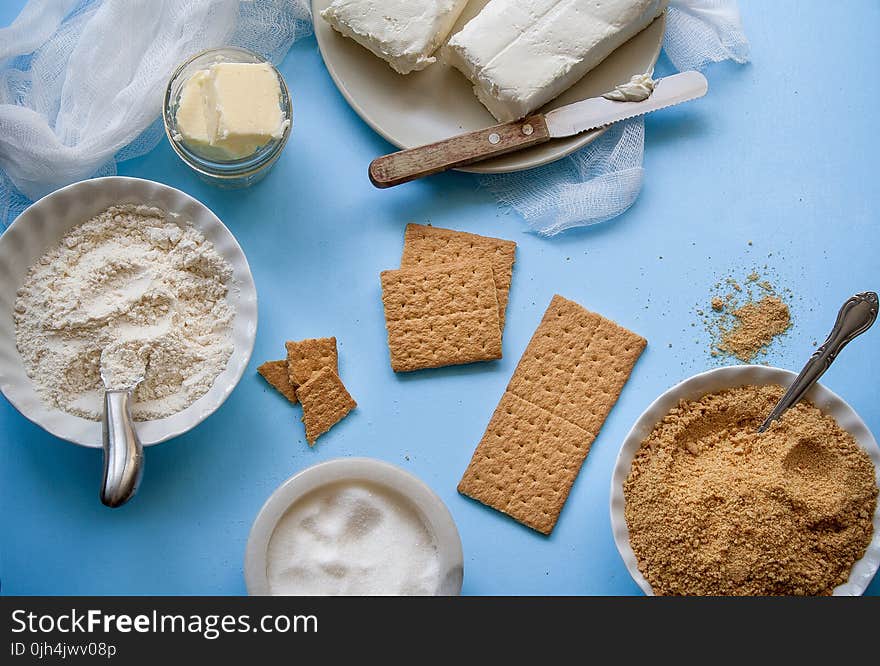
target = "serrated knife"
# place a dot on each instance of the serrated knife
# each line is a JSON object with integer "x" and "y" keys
{"x": 588, "y": 114}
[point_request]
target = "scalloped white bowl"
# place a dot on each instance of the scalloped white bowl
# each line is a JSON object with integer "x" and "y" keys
{"x": 42, "y": 226}
{"x": 722, "y": 378}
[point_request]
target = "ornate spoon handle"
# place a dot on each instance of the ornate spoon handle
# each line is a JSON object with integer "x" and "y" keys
{"x": 854, "y": 318}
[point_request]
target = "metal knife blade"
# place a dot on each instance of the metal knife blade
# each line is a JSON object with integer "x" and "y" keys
{"x": 597, "y": 112}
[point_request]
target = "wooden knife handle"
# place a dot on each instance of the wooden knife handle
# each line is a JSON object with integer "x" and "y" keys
{"x": 407, "y": 165}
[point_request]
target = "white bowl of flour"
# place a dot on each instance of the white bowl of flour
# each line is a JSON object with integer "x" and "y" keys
{"x": 354, "y": 527}
{"x": 188, "y": 301}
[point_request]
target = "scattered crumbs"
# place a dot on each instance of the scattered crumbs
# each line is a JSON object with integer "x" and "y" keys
{"x": 745, "y": 317}
{"x": 756, "y": 325}
{"x": 750, "y": 242}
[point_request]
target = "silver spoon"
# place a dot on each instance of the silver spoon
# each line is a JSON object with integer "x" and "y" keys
{"x": 123, "y": 453}
{"x": 855, "y": 317}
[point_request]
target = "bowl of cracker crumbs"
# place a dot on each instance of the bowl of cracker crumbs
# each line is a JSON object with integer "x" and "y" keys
{"x": 703, "y": 505}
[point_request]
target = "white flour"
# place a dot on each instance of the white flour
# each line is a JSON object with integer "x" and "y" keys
{"x": 151, "y": 290}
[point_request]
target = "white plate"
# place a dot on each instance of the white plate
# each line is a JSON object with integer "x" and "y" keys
{"x": 42, "y": 226}
{"x": 716, "y": 380}
{"x": 439, "y": 102}
{"x": 429, "y": 506}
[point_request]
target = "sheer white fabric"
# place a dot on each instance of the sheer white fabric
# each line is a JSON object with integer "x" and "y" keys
{"x": 82, "y": 81}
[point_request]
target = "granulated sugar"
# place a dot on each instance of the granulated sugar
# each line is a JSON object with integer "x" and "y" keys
{"x": 352, "y": 538}
{"x": 713, "y": 508}
{"x": 135, "y": 280}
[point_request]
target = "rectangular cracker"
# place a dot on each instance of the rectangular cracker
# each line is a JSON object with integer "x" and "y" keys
{"x": 568, "y": 379}
{"x": 431, "y": 246}
{"x": 325, "y": 402}
{"x": 275, "y": 372}
{"x": 441, "y": 315}
{"x": 308, "y": 356}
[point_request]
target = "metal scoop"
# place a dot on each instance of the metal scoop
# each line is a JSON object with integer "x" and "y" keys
{"x": 855, "y": 317}
{"x": 123, "y": 453}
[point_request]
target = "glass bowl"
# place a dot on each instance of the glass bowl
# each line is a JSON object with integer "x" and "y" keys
{"x": 237, "y": 173}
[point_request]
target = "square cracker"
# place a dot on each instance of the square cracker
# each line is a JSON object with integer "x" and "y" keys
{"x": 425, "y": 246}
{"x": 275, "y": 372}
{"x": 441, "y": 315}
{"x": 325, "y": 403}
{"x": 568, "y": 379}
{"x": 308, "y": 356}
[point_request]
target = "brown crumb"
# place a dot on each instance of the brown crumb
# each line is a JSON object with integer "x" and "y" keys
{"x": 713, "y": 508}
{"x": 717, "y": 304}
{"x": 757, "y": 324}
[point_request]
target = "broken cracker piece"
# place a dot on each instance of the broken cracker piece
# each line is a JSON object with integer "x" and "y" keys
{"x": 425, "y": 246}
{"x": 275, "y": 372}
{"x": 305, "y": 357}
{"x": 325, "y": 402}
{"x": 443, "y": 315}
{"x": 564, "y": 386}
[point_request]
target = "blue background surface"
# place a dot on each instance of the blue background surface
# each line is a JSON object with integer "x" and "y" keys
{"x": 782, "y": 153}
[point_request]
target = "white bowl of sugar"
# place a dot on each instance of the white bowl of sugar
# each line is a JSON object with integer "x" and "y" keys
{"x": 354, "y": 527}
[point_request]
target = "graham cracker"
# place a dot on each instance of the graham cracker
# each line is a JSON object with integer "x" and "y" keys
{"x": 325, "y": 402}
{"x": 568, "y": 379}
{"x": 441, "y": 315}
{"x": 425, "y": 246}
{"x": 308, "y": 356}
{"x": 275, "y": 372}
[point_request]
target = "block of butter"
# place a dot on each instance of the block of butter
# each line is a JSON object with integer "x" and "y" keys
{"x": 520, "y": 54}
{"x": 403, "y": 32}
{"x": 229, "y": 110}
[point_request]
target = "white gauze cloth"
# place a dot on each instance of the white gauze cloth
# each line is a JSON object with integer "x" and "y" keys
{"x": 603, "y": 179}
{"x": 82, "y": 81}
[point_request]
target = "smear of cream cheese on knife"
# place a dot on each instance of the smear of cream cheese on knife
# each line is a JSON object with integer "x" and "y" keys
{"x": 637, "y": 89}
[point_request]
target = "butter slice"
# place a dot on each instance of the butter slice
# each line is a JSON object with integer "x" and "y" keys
{"x": 405, "y": 33}
{"x": 520, "y": 54}
{"x": 229, "y": 110}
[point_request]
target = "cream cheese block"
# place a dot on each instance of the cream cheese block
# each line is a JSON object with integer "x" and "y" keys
{"x": 520, "y": 54}
{"x": 404, "y": 32}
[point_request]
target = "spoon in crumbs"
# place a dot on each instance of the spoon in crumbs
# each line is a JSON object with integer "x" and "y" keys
{"x": 855, "y": 317}
{"x": 122, "y": 369}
